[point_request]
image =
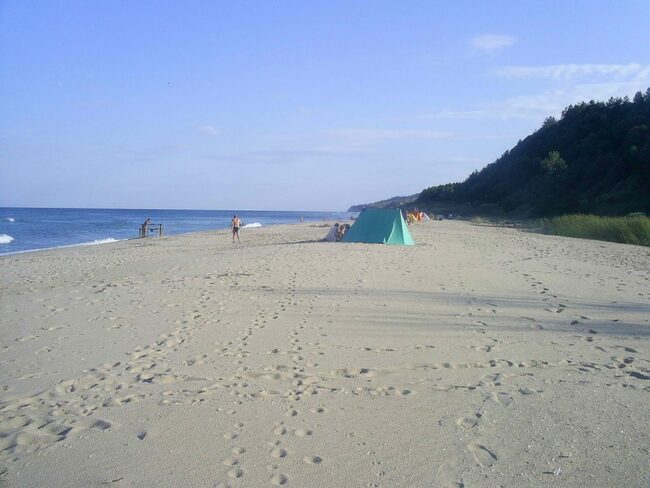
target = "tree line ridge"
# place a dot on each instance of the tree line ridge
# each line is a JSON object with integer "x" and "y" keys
{"x": 594, "y": 159}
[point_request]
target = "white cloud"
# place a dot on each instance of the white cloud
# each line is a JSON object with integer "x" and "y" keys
{"x": 491, "y": 43}
{"x": 354, "y": 140}
{"x": 566, "y": 85}
{"x": 210, "y": 130}
{"x": 369, "y": 137}
{"x": 562, "y": 72}
{"x": 643, "y": 74}
{"x": 271, "y": 156}
{"x": 458, "y": 114}
{"x": 588, "y": 82}
{"x": 327, "y": 144}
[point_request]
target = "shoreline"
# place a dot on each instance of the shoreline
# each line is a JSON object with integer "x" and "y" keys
{"x": 522, "y": 226}
{"x": 97, "y": 242}
{"x": 111, "y": 240}
{"x": 37, "y": 229}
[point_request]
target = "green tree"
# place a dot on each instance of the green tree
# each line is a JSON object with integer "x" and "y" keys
{"x": 606, "y": 145}
{"x": 553, "y": 164}
{"x": 549, "y": 121}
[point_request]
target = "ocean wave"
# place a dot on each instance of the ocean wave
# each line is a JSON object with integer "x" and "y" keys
{"x": 9, "y": 219}
{"x": 95, "y": 242}
{"x": 90, "y": 243}
{"x": 254, "y": 224}
{"x": 5, "y": 238}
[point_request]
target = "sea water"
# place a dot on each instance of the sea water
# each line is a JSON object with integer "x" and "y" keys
{"x": 28, "y": 229}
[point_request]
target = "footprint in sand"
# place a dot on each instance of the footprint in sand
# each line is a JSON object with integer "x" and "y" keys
{"x": 312, "y": 459}
{"x": 503, "y": 398}
{"x": 278, "y": 479}
{"x": 469, "y": 421}
{"x": 278, "y": 453}
{"x": 448, "y": 474}
{"x": 483, "y": 455}
{"x": 235, "y": 473}
{"x": 638, "y": 375}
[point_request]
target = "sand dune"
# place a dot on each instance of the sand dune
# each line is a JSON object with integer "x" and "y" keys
{"x": 481, "y": 357}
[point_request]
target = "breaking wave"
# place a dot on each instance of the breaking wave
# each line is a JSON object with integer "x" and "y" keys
{"x": 5, "y": 239}
{"x": 95, "y": 242}
{"x": 90, "y": 243}
{"x": 254, "y": 224}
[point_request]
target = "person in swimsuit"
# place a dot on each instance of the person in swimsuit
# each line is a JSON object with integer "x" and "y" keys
{"x": 235, "y": 225}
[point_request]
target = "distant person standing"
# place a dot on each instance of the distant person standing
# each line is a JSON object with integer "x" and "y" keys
{"x": 145, "y": 227}
{"x": 235, "y": 225}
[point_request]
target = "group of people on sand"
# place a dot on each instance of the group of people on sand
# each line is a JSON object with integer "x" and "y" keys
{"x": 337, "y": 232}
{"x": 415, "y": 215}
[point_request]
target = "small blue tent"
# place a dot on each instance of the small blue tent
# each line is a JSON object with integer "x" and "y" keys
{"x": 381, "y": 226}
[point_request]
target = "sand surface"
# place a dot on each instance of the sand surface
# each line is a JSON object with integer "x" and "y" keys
{"x": 481, "y": 357}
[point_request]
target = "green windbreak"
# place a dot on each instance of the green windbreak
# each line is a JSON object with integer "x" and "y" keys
{"x": 380, "y": 226}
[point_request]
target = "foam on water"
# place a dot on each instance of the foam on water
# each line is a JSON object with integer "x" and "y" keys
{"x": 90, "y": 243}
{"x": 5, "y": 238}
{"x": 97, "y": 241}
{"x": 9, "y": 219}
{"x": 254, "y": 224}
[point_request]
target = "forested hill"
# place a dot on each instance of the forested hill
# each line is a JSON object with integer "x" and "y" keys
{"x": 388, "y": 203}
{"x": 595, "y": 159}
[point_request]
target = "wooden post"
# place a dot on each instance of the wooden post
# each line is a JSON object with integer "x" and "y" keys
{"x": 144, "y": 229}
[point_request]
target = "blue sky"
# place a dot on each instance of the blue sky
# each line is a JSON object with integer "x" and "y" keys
{"x": 289, "y": 105}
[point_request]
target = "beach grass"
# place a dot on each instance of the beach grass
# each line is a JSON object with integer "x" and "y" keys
{"x": 631, "y": 229}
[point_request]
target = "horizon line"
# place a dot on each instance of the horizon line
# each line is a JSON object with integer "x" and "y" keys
{"x": 181, "y": 209}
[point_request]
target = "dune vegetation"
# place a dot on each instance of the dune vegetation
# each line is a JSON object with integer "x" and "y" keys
{"x": 631, "y": 229}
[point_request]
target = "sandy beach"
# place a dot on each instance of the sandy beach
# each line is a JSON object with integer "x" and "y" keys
{"x": 481, "y": 357}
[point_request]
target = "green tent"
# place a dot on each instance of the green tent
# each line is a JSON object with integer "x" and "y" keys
{"x": 380, "y": 226}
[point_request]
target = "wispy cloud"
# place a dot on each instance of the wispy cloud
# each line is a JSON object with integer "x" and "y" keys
{"x": 457, "y": 114}
{"x": 210, "y": 130}
{"x": 270, "y": 156}
{"x": 562, "y": 72}
{"x": 333, "y": 144}
{"x": 491, "y": 43}
{"x": 566, "y": 84}
{"x": 354, "y": 140}
{"x": 149, "y": 154}
{"x": 553, "y": 101}
{"x": 363, "y": 138}
{"x": 587, "y": 82}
